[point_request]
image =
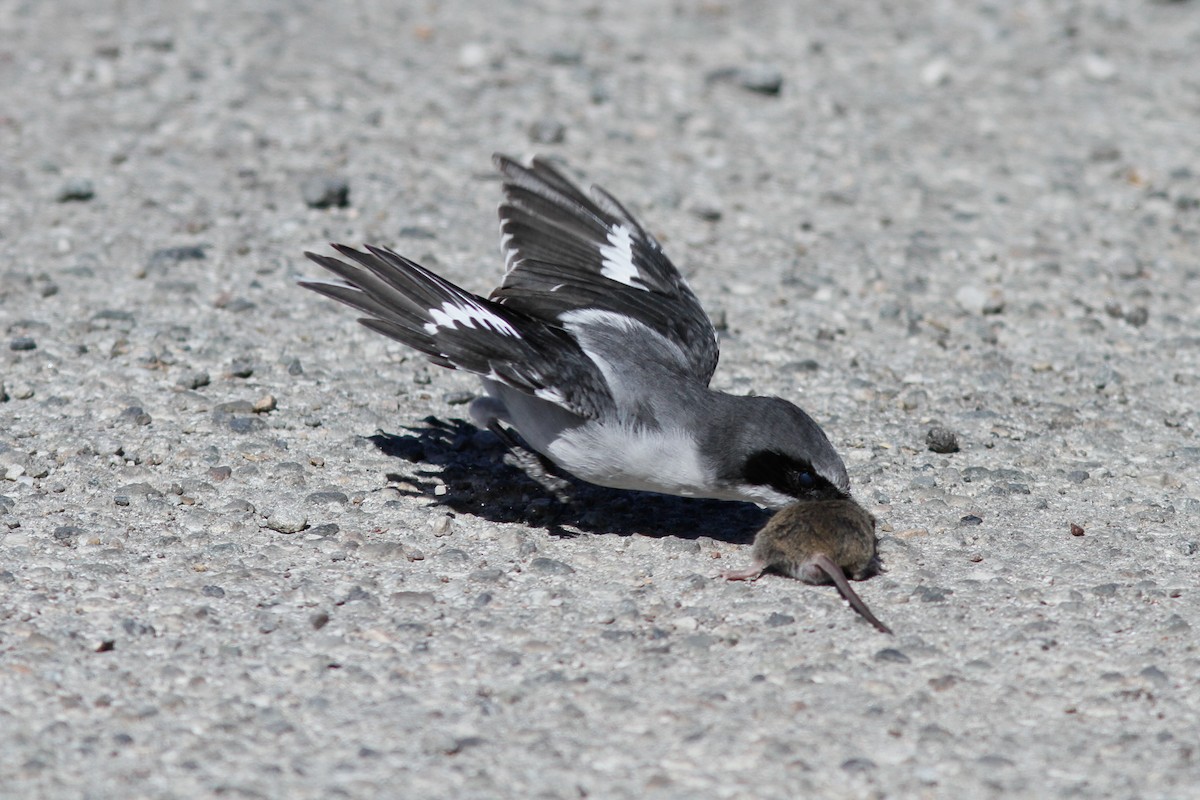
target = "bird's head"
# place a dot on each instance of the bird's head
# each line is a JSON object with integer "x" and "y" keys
{"x": 780, "y": 455}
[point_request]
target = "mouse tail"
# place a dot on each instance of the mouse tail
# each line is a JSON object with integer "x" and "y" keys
{"x": 843, "y": 586}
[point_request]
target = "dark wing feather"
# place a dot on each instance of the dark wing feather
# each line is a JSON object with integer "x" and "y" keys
{"x": 565, "y": 251}
{"x": 457, "y": 329}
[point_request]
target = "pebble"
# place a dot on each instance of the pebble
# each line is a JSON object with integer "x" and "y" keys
{"x": 936, "y": 72}
{"x": 136, "y": 415}
{"x": 412, "y": 599}
{"x": 550, "y": 566}
{"x": 756, "y": 77}
{"x": 327, "y": 498}
{"x": 20, "y": 343}
{"x": 941, "y": 439}
{"x": 193, "y": 380}
{"x": 325, "y": 191}
{"x": 971, "y": 299}
{"x": 1098, "y": 68}
{"x": 75, "y": 190}
{"x": 547, "y": 131}
{"x": 67, "y": 534}
{"x": 264, "y": 404}
{"x": 221, "y": 473}
{"x": 241, "y": 368}
{"x": 166, "y": 256}
{"x": 287, "y": 521}
{"x": 890, "y": 655}
{"x": 13, "y": 471}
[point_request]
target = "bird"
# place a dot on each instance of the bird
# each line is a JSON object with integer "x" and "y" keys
{"x": 594, "y": 353}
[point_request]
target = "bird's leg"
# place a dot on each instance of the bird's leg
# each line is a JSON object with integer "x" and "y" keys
{"x": 532, "y": 463}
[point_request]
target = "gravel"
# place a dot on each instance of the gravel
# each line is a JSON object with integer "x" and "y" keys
{"x": 247, "y": 550}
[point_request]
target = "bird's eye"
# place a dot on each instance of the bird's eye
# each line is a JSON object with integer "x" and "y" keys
{"x": 806, "y": 480}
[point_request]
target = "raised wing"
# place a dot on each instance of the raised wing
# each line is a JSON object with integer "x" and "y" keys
{"x": 565, "y": 251}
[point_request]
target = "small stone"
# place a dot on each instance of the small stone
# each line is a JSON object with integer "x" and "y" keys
{"x": 327, "y": 498}
{"x": 760, "y": 78}
{"x": 443, "y": 526}
{"x": 13, "y": 471}
{"x": 1098, "y": 68}
{"x": 212, "y": 591}
{"x": 547, "y": 131}
{"x": 1105, "y": 590}
{"x": 136, "y": 415}
{"x": 1138, "y": 316}
{"x": 473, "y": 55}
{"x": 294, "y": 367}
{"x": 75, "y": 190}
{"x": 936, "y": 72}
{"x": 193, "y": 380}
{"x": 245, "y": 424}
{"x": 221, "y": 473}
{"x": 319, "y": 620}
{"x": 1155, "y": 675}
{"x": 453, "y": 556}
{"x": 166, "y": 256}
{"x": 776, "y": 619}
{"x": 20, "y": 343}
{"x": 489, "y": 575}
{"x": 550, "y": 566}
{"x": 325, "y": 191}
{"x": 264, "y": 404}
{"x": 67, "y": 534}
{"x": 971, "y": 299}
{"x": 413, "y": 599}
{"x": 287, "y": 521}
{"x": 941, "y": 439}
{"x": 1078, "y": 475}
{"x": 932, "y": 594}
{"x": 970, "y": 519}
{"x": 241, "y": 368}
{"x": 705, "y": 207}
{"x": 458, "y": 398}
{"x": 858, "y": 766}
{"x": 890, "y": 655}
{"x": 1076, "y": 530}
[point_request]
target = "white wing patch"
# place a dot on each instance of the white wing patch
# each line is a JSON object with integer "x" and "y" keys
{"x": 451, "y": 315}
{"x": 617, "y": 257}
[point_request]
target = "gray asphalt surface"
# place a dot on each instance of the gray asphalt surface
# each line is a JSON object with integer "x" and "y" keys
{"x": 236, "y": 560}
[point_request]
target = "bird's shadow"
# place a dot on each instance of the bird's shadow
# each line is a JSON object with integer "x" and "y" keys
{"x": 470, "y": 463}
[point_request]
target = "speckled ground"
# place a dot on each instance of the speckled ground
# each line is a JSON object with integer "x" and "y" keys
{"x": 245, "y": 549}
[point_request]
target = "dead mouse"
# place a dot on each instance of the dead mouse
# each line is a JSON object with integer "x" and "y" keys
{"x": 818, "y": 542}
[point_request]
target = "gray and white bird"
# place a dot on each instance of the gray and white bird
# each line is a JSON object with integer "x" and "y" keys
{"x": 595, "y": 350}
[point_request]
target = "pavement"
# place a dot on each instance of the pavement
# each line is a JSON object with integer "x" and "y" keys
{"x": 249, "y": 549}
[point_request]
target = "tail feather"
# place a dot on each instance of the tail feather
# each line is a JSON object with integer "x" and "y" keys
{"x": 457, "y": 329}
